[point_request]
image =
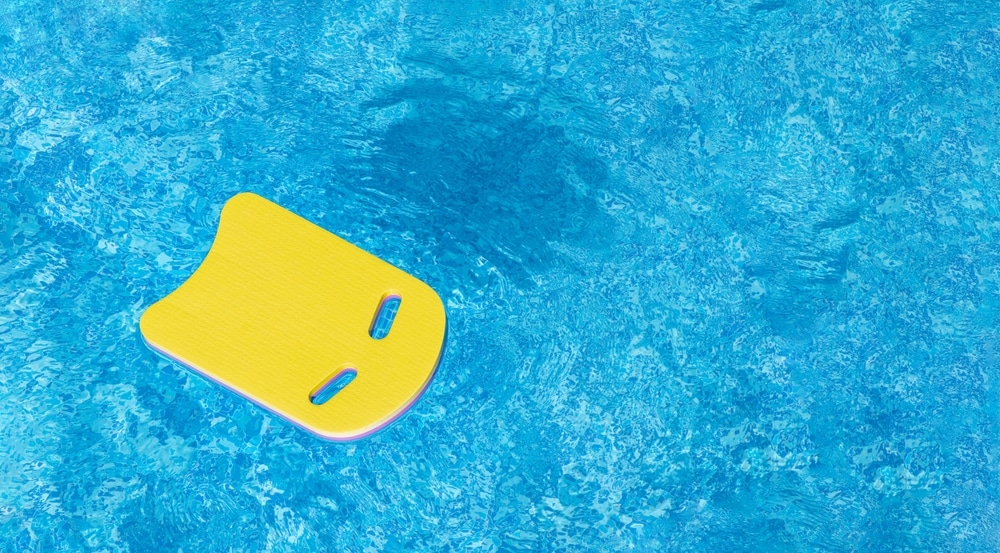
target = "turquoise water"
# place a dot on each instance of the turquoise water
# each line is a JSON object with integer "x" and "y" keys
{"x": 720, "y": 276}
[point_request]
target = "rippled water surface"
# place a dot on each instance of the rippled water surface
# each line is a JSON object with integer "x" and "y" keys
{"x": 720, "y": 275}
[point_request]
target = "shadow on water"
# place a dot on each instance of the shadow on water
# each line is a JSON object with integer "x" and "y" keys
{"x": 491, "y": 176}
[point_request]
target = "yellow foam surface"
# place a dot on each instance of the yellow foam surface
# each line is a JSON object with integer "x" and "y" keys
{"x": 279, "y": 306}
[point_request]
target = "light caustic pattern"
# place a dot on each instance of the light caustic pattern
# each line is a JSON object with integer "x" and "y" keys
{"x": 720, "y": 276}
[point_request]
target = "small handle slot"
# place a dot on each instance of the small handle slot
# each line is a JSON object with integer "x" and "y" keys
{"x": 388, "y": 307}
{"x": 325, "y": 391}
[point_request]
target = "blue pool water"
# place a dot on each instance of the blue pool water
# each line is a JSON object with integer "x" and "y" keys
{"x": 720, "y": 276}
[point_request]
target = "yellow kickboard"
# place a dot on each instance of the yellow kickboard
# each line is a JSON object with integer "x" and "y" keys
{"x": 281, "y": 307}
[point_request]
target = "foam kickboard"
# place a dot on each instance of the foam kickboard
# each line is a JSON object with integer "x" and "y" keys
{"x": 281, "y": 308}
